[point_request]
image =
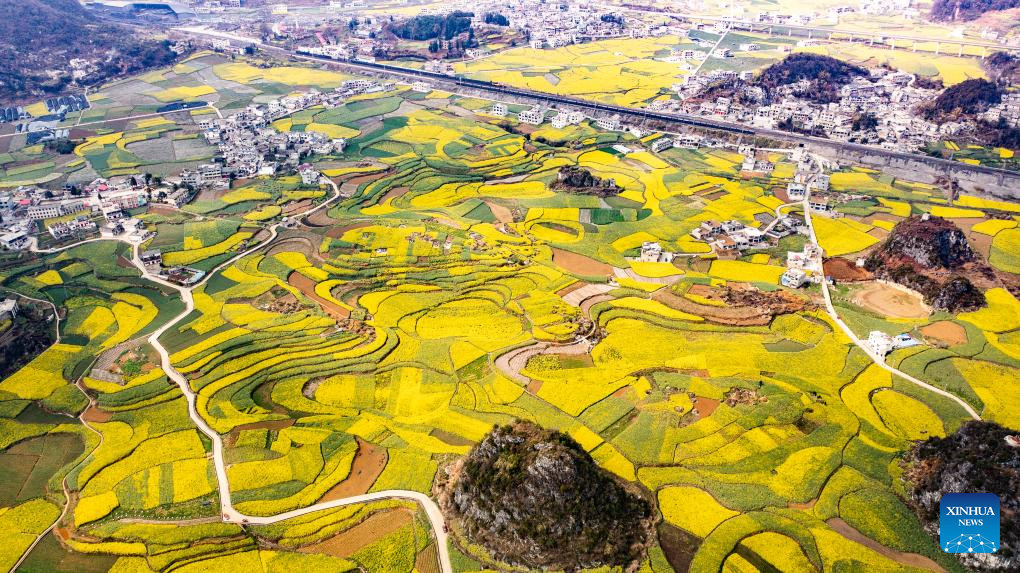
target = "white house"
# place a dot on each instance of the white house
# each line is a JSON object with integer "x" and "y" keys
{"x": 533, "y": 116}
{"x": 793, "y": 278}
{"x": 609, "y": 123}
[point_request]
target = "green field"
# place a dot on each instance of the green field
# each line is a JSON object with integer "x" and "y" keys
{"x": 366, "y": 349}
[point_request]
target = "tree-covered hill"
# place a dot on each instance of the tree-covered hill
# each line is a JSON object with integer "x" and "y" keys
{"x": 39, "y": 39}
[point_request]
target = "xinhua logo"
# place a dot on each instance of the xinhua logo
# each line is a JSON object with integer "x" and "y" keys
{"x": 969, "y": 523}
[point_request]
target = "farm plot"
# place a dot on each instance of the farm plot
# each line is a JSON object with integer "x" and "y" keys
{"x": 455, "y": 287}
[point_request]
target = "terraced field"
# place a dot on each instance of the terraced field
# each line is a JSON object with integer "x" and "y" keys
{"x": 451, "y": 287}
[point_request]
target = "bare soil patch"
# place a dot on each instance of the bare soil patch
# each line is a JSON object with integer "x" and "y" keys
{"x": 96, "y": 415}
{"x": 307, "y": 286}
{"x": 701, "y": 290}
{"x": 375, "y": 527}
{"x": 947, "y": 332}
{"x": 231, "y": 437}
{"x": 320, "y": 218}
{"x": 886, "y": 300}
{"x": 981, "y": 243}
{"x": 337, "y": 232}
{"x": 502, "y": 214}
{"x": 878, "y": 233}
{"x": 845, "y": 271}
{"x": 450, "y": 438}
{"x": 393, "y": 194}
{"x": 570, "y": 288}
{"x": 297, "y": 206}
{"x": 164, "y": 210}
{"x": 870, "y": 219}
{"x": 591, "y": 301}
{"x": 745, "y": 307}
{"x": 704, "y": 406}
{"x": 678, "y": 546}
{"x": 368, "y": 464}
{"x": 580, "y": 264}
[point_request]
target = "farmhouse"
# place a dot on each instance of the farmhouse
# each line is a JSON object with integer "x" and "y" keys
{"x": 533, "y": 116}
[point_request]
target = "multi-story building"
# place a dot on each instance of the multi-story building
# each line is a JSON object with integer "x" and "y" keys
{"x": 533, "y": 116}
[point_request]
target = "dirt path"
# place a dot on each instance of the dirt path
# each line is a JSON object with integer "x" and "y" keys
{"x": 511, "y": 363}
{"x": 908, "y": 559}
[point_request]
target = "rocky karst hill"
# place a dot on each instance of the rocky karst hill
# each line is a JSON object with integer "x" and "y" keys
{"x": 825, "y": 75}
{"x": 573, "y": 179}
{"x": 931, "y": 255}
{"x": 963, "y": 100}
{"x": 534, "y": 498}
{"x": 977, "y": 458}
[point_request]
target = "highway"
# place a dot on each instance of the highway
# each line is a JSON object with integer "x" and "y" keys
{"x": 500, "y": 92}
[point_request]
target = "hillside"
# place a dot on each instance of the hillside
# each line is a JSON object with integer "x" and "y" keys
{"x": 1003, "y": 67}
{"x": 966, "y": 98}
{"x": 824, "y": 74}
{"x": 534, "y": 498}
{"x": 38, "y": 41}
{"x": 931, "y": 256}
{"x": 966, "y": 10}
{"x": 428, "y": 27}
{"x": 976, "y": 458}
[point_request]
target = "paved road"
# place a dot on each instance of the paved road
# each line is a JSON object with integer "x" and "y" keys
{"x": 710, "y": 52}
{"x": 227, "y": 510}
{"x": 875, "y": 357}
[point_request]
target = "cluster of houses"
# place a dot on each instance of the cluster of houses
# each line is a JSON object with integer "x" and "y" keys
{"x": 730, "y": 237}
{"x": 67, "y": 213}
{"x": 882, "y": 343}
{"x": 249, "y": 146}
{"x": 1007, "y": 110}
{"x": 888, "y": 98}
{"x": 803, "y": 266}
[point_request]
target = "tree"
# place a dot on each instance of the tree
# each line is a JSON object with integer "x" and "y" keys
{"x": 864, "y": 122}
{"x": 496, "y": 19}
